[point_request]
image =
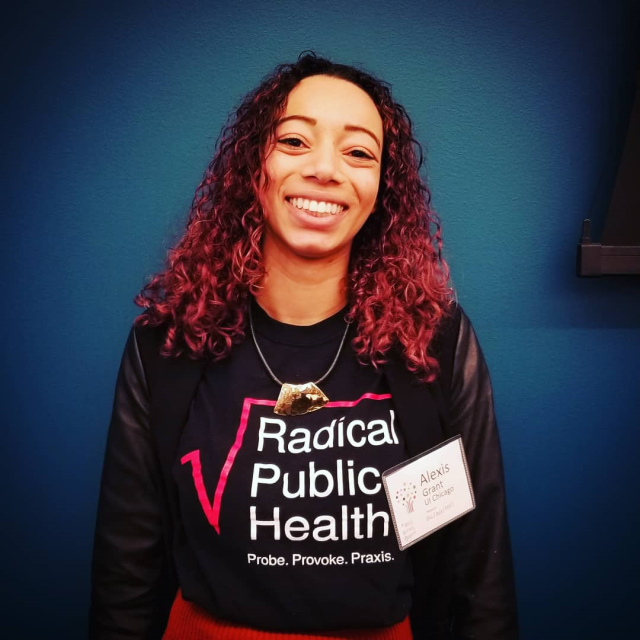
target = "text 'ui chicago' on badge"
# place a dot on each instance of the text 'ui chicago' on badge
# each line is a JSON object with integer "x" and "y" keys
{"x": 429, "y": 491}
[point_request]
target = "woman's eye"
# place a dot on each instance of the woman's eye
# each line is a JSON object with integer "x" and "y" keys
{"x": 360, "y": 153}
{"x": 296, "y": 143}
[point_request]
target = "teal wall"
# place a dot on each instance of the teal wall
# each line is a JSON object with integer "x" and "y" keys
{"x": 113, "y": 112}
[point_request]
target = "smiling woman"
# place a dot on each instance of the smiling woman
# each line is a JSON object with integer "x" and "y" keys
{"x": 322, "y": 172}
{"x": 301, "y": 340}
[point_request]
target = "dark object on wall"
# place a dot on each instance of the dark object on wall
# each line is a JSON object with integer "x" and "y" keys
{"x": 596, "y": 259}
{"x": 619, "y": 251}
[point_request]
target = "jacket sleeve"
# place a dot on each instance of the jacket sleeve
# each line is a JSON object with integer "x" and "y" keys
{"x": 484, "y": 599}
{"x": 128, "y": 554}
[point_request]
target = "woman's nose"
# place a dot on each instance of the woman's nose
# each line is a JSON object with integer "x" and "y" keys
{"x": 324, "y": 165}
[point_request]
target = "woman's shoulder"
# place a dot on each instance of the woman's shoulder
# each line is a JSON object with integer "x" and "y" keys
{"x": 147, "y": 335}
{"x": 450, "y": 324}
{"x": 454, "y": 329}
{"x": 147, "y": 341}
{"x": 447, "y": 330}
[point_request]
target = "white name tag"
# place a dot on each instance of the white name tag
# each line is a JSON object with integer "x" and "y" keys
{"x": 429, "y": 491}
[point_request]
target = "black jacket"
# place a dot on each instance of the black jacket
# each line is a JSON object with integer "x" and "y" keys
{"x": 463, "y": 573}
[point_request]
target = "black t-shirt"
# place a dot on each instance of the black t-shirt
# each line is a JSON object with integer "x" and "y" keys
{"x": 285, "y": 522}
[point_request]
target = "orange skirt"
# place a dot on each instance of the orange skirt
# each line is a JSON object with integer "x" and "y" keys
{"x": 187, "y": 621}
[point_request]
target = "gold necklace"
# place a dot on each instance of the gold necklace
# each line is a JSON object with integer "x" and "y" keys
{"x": 297, "y": 399}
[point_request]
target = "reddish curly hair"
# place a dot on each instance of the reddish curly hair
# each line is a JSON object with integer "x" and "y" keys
{"x": 397, "y": 281}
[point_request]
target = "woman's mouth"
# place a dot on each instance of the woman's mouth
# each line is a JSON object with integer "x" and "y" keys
{"x": 316, "y": 207}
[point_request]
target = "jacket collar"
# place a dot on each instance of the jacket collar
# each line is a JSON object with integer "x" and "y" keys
{"x": 417, "y": 407}
{"x": 175, "y": 385}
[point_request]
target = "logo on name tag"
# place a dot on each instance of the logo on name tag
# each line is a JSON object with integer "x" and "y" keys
{"x": 406, "y": 495}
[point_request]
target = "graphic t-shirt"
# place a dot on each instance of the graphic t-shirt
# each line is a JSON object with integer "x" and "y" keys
{"x": 285, "y": 522}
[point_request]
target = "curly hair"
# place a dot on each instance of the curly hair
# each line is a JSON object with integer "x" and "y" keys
{"x": 397, "y": 281}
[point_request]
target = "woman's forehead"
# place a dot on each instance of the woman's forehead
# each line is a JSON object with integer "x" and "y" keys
{"x": 333, "y": 101}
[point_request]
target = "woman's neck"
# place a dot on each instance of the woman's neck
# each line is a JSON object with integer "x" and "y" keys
{"x": 301, "y": 291}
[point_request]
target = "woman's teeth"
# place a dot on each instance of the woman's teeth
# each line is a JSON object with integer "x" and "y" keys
{"x": 317, "y": 206}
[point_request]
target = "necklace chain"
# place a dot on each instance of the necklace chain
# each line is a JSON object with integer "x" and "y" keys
{"x": 268, "y": 368}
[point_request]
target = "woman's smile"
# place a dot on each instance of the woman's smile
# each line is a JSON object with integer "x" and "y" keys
{"x": 308, "y": 218}
{"x": 318, "y": 207}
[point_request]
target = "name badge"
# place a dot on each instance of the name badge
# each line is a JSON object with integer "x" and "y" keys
{"x": 429, "y": 491}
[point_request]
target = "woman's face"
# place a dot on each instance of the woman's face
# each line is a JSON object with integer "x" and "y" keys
{"x": 323, "y": 170}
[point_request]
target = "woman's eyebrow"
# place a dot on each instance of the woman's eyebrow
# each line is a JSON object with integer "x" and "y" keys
{"x": 347, "y": 127}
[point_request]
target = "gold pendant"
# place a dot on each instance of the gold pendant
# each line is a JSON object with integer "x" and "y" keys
{"x": 298, "y": 399}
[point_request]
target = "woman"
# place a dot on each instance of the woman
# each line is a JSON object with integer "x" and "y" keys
{"x": 301, "y": 340}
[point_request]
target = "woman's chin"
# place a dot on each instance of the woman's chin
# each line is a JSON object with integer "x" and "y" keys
{"x": 304, "y": 246}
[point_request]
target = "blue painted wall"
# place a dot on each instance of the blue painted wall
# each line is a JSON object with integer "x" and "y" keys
{"x": 112, "y": 116}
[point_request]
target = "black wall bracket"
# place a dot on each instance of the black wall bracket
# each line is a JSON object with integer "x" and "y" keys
{"x": 595, "y": 259}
